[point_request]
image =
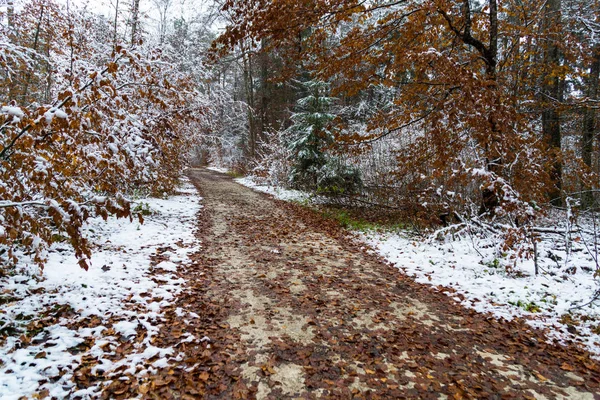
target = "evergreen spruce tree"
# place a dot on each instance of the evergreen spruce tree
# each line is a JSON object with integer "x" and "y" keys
{"x": 309, "y": 136}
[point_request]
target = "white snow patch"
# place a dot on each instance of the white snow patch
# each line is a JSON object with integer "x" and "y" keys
{"x": 120, "y": 274}
{"x": 12, "y": 111}
{"x": 126, "y": 328}
{"x": 277, "y": 192}
{"x": 218, "y": 169}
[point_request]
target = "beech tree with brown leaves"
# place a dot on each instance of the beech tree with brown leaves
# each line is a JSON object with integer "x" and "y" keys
{"x": 83, "y": 125}
{"x": 471, "y": 92}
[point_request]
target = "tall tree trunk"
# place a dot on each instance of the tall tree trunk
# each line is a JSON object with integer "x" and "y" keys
{"x": 10, "y": 13}
{"x": 489, "y": 198}
{"x": 115, "y": 25}
{"x": 49, "y": 80}
{"x": 265, "y": 94}
{"x": 36, "y": 39}
{"x": 249, "y": 84}
{"x": 552, "y": 91}
{"x": 489, "y": 53}
{"x": 135, "y": 20}
{"x": 71, "y": 46}
{"x": 589, "y": 123}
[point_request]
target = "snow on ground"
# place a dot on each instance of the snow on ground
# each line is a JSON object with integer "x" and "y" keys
{"x": 122, "y": 292}
{"x": 475, "y": 267}
{"x": 282, "y": 194}
{"x": 218, "y": 169}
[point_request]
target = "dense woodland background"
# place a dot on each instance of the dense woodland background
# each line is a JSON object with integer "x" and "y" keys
{"x": 438, "y": 111}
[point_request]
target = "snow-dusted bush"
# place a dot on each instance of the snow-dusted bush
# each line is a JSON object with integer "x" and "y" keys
{"x": 336, "y": 178}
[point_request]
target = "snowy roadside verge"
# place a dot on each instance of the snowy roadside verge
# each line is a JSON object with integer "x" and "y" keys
{"x": 67, "y": 324}
{"x": 474, "y": 268}
{"x": 279, "y": 193}
{"x": 218, "y": 169}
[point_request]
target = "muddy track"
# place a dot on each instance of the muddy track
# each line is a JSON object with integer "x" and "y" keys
{"x": 291, "y": 307}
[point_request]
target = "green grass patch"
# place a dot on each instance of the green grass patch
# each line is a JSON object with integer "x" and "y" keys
{"x": 235, "y": 175}
{"x": 142, "y": 208}
{"x": 349, "y": 221}
{"x": 527, "y": 306}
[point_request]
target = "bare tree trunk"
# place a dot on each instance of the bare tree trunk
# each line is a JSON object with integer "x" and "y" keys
{"x": 35, "y": 47}
{"x": 162, "y": 27}
{"x": 249, "y": 84}
{"x": 264, "y": 94}
{"x": 135, "y": 20}
{"x": 589, "y": 123}
{"x": 115, "y": 24}
{"x": 163, "y": 7}
{"x": 489, "y": 53}
{"x": 49, "y": 75}
{"x": 71, "y": 45}
{"x": 10, "y": 13}
{"x": 552, "y": 91}
{"x": 494, "y": 161}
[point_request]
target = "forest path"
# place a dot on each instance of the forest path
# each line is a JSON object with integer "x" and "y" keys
{"x": 294, "y": 308}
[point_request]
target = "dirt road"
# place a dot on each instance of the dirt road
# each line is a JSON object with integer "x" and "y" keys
{"x": 288, "y": 306}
